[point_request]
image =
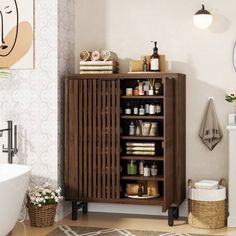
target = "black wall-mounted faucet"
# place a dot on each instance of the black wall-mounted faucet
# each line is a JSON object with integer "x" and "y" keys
{"x": 10, "y": 150}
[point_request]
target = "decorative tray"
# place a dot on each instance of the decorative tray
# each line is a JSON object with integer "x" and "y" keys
{"x": 145, "y": 196}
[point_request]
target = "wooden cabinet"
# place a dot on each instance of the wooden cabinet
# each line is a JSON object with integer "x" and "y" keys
{"x": 97, "y": 133}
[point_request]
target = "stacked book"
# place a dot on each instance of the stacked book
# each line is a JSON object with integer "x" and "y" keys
{"x": 137, "y": 148}
{"x": 98, "y": 67}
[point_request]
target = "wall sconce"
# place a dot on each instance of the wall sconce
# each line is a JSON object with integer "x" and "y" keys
{"x": 202, "y": 18}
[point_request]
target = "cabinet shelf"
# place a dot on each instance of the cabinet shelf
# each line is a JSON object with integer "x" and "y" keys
{"x": 141, "y": 138}
{"x": 141, "y": 177}
{"x": 146, "y": 117}
{"x": 145, "y": 158}
{"x": 153, "y": 201}
{"x": 142, "y": 97}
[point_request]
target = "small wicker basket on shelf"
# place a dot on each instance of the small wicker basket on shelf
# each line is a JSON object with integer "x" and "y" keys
{"x": 207, "y": 213}
{"x": 42, "y": 216}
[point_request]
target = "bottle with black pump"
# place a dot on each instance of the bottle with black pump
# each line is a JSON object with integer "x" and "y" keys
{"x": 154, "y": 64}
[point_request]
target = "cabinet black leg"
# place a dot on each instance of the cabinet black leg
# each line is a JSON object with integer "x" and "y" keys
{"x": 74, "y": 210}
{"x": 170, "y": 216}
{"x": 85, "y": 208}
{"x": 176, "y": 212}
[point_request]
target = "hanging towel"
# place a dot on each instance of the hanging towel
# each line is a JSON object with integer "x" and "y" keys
{"x": 210, "y": 131}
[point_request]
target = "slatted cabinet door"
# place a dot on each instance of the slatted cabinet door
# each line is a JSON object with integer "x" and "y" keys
{"x": 92, "y": 139}
{"x": 168, "y": 143}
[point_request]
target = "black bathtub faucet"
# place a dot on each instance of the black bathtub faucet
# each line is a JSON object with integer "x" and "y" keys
{"x": 10, "y": 150}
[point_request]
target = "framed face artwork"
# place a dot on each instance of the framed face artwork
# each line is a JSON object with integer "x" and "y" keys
{"x": 17, "y": 34}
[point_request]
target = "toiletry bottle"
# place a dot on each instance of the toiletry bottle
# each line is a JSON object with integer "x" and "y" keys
{"x": 138, "y": 129}
{"x": 147, "y": 109}
{"x": 131, "y": 128}
{"x": 140, "y": 190}
{"x": 140, "y": 88}
{"x": 128, "y": 109}
{"x": 146, "y": 170}
{"x": 158, "y": 108}
{"x": 145, "y": 65}
{"x": 135, "y": 110}
{"x": 141, "y": 111}
{"x": 152, "y": 109}
{"x": 154, "y": 170}
{"x": 155, "y": 66}
{"x": 141, "y": 166}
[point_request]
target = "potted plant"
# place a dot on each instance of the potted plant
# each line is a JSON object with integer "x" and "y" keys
{"x": 231, "y": 96}
{"x": 42, "y": 203}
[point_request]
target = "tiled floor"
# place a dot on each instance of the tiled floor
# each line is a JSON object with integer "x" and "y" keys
{"x": 120, "y": 221}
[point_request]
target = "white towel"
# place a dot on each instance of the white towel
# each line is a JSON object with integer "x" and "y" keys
{"x": 210, "y": 131}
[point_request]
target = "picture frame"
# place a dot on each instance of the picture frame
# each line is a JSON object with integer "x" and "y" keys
{"x": 17, "y": 34}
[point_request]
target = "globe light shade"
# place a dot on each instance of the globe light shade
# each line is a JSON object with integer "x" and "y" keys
{"x": 202, "y": 18}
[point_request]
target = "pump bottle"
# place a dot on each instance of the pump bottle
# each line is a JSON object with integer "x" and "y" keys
{"x": 154, "y": 64}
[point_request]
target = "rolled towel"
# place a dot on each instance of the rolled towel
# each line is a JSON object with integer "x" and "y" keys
{"x": 95, "y": 56}
{"x": 107, "y": 55}
{"x": 85, "y": 55}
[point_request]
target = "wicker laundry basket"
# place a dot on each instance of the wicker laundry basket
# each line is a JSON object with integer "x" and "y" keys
{"x": 42, "y": 216}
{"x": 207, "y": 208}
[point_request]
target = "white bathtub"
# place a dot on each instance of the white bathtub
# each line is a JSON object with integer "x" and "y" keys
{"x": 14, "y": 180}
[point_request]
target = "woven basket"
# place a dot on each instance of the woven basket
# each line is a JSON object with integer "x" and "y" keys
{"x": 207, "y": 214}
{"x": 42, "y": 216}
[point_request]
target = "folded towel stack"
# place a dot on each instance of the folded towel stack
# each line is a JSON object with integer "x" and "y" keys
{"x": 133, "y": 148}
{"x": 105, "y": 62}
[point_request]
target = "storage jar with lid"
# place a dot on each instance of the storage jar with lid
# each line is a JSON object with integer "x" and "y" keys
{"x": 132, "y": 167}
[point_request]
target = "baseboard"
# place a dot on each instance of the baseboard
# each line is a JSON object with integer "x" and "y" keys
{"x": 231, "y": 221}
{"x": 134, "y": 209}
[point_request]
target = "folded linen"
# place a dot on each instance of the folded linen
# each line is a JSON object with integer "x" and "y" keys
{"x": 148, "y": 153}
{"x": 210, "y": 130}
{"x": 140, "y": 148}
{"x": 98, "y": 63}
{"x": 107, "y": 55}
{"x": 85, "y": 55}
{"x": 95, "y": 56}
{"x": 96, "y": 72}
{"x": 134, "y": 144}
{"x": 92, "y": 68}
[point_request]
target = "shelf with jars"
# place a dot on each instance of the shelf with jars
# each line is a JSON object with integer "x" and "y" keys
{"x": 145, "y": 117}
{"x": 142, "y": 157}
{"x": 142, "y": 135}
{"x": 141, "y": 97}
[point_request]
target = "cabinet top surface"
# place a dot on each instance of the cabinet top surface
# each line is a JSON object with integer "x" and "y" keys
{"x": 127, "y": 75}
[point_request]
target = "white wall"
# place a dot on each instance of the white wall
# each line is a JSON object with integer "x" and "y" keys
{"x": 205, "y": 56}
{"x": 33, "y": 98}
{"x": 30, "y": 99}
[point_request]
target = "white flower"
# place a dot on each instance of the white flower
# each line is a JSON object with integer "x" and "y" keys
{"x": 43, "y": 195}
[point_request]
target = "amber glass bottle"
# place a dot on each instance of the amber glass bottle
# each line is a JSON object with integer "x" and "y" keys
{"x": 155, "y": 65}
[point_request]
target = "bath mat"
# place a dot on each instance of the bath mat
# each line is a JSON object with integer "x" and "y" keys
{"x": 65, "y": 230}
